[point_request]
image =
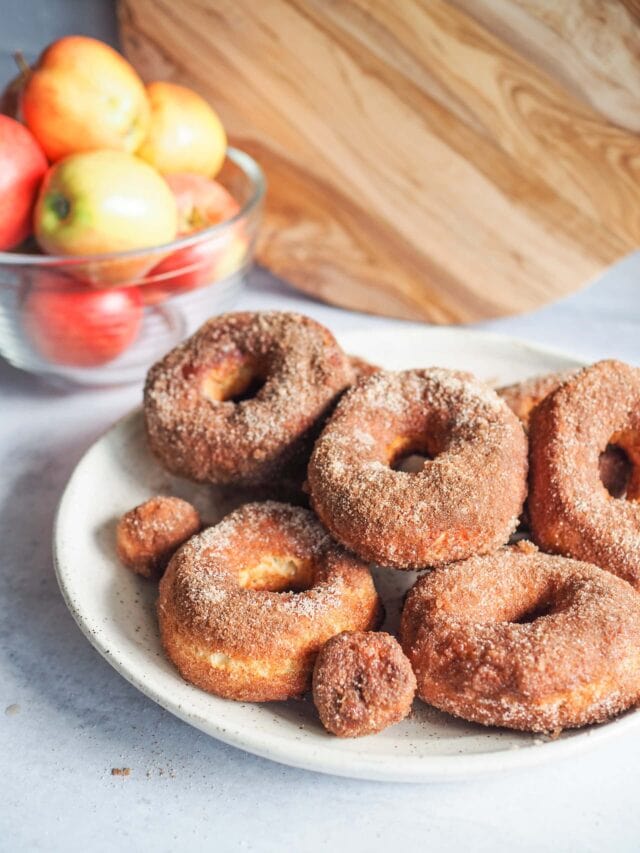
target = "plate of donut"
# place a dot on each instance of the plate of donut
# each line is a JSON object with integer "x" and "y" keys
{"x": 118, "y": 610}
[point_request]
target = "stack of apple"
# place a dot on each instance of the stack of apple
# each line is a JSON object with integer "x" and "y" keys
{"x": 92, "y": 162}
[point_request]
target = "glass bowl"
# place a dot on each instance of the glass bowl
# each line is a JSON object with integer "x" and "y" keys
{"x": 104, "y": 319}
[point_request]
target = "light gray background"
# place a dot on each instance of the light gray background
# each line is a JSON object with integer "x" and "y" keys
{"x": 72, "y": 718}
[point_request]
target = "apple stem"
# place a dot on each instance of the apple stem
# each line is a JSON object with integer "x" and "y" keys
{"x": 23, "y": 66}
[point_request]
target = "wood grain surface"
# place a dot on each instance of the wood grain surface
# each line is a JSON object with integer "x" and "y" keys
{"x": 592, "y": 47}
{"x": 424, "y": 160}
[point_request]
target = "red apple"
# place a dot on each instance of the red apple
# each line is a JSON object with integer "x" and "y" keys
{"x": 71, "y": 325}
{"x": 184, "y": 270}
{"x": 22, "y": 167}
{"x": 201, "y": 203}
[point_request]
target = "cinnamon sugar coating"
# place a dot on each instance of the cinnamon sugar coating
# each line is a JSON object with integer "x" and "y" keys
{"x": 148, "y": 535}
{"x": 362, "y": 683}
{"x": 238, "y": 402}
{"x": 465, "y": 500}
{"x": 245, "y": 606}
{"x": 523, "y": 397}
{"x": 571, "y": 511}
{"x": 524, "y": 640}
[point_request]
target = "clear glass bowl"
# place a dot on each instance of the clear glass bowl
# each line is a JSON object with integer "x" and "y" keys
{"x": 103, "y": 319}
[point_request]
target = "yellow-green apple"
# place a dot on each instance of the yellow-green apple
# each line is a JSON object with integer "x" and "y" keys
{"x": 83, "y": 95}
{"x": 201, "y": 203}
{"x": 105, "y": 201}
{"x": 185, "y": 134}
{"x": 22, "y": 167}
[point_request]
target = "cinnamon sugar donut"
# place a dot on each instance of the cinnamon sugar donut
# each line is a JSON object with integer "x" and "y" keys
{"x": 524, "y": 640}
{"x": 238, "y": 401}
{"x": 148, "y": 534}
{"x": 523, "y": 397}
{"x": 468, "y": 495}
{"x": 362, "y": 683}
{"x": 245, "y": 606}
{"x": 571, "y": 511}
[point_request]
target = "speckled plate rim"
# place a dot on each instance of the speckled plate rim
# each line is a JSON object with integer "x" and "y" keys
{"x": 282, "y": 748}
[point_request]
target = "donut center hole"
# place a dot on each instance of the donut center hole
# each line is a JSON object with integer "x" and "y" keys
{"x": 409, "y": 454}
{"x": 278, "y": 573}
{"x": 232, "y": 382}
{"x": 539, "y": 609}
{"x": 616, "y": 468}
{"x": 250, "y": 390}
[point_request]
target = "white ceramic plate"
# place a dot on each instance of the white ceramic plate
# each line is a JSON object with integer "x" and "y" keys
{"x": 115, "y": 609}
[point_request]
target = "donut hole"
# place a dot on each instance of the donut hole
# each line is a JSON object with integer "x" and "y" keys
{"x": 616, "y": 469}
{"x": 278, "y": 573}
{"x": 251, "y": 390}
{"x": 537, "y": 611}
{"x": 232, "y": 382}
{"x": 409, "y": 454}
{"x": 411, "y": 463}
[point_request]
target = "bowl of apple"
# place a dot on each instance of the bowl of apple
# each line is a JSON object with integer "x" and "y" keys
{"x": 126, "y": 220}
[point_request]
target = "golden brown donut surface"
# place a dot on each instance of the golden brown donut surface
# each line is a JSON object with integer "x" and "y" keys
{"x": 571, "y": 511}
{"x": 468, "y": 495}
{"x": 148, "y": 534}
{"x": 524, "y": 640}
{"x": 523, "y": 397}
{"x": 362, "y": 683}
{"x": 238, "y": 401}
{"x": 245, "y": 606}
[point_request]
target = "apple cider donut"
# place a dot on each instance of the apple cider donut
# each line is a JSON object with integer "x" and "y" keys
{"x": 468, "y": 495}
{"x": 148, "y": 535}
{"x": 571, "y": 511}
{"x": 524, "y": 640}
{"x": 523, "y": 397}
{"x": 238, "y": 401}
{"x": 245, "y": 606}
{"x": 362, "y": 683}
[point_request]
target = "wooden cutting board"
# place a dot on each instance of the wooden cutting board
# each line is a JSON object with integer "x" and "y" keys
{"x": 446, "y": 161}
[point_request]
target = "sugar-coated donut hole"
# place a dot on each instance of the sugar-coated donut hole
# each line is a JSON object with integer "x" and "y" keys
{"x": 619, "y": 465}
{"x": 234, "y": 380}
{"x": 278, "y": 573}
{"x": 148, "y": 534}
